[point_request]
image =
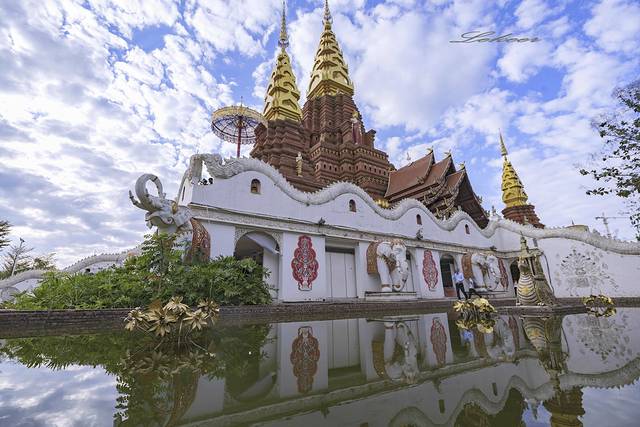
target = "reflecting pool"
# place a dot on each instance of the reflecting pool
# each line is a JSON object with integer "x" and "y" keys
{"x": 410, "y": 370}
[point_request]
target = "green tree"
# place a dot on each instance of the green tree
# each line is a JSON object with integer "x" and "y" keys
{"x": 617, "y": 166}
{"x": 16, "y": 260}
{"x": 43, "y": 262}
{"x": 5, "y": 229}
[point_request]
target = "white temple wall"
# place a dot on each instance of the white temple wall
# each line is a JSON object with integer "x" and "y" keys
{"x": 290, "y": 288}
{"x": 222, "y": 238}
{"x": 365, "y": 282}
{"x": 234, "y": 194}
{"x": 27, "y": 285}
{"x": 578, "y": 269}
{"x": 271, "y": 262}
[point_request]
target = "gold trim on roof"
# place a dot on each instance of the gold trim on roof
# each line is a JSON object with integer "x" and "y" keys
{"x": 330, "y": 73}
{"x": 513, "y": 193}
{"x": 281, "y": 99}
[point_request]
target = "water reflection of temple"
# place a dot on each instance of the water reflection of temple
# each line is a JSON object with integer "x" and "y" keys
{"x": 420, "y": 370}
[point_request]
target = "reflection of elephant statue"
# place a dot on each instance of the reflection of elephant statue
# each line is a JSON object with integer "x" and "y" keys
{"x": 389, "y": 260}
{"x": 483, "y": 270}
{"x": 400, "y": 352}
{"x": 501, "y": 341}
{"x": 171, "y": 219}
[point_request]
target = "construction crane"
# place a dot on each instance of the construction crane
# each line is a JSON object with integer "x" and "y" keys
{"x": 605, "y": 220}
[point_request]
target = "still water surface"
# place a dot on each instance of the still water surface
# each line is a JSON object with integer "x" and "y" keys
{"x": 418, "y": 370}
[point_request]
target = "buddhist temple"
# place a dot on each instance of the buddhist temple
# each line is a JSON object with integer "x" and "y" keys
{"x": 517, "y": 206}
{"x": 330, "y": 137}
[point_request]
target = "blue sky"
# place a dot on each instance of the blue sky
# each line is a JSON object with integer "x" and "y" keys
{"x": 96, "y": 92}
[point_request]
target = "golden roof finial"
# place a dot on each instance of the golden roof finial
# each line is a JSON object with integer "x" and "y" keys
{"x": 513, "y": 193}
{"x": 281, "y": 99}
{"x": 327, "y": 14}
{"x": 503, "y": 148}
{"x": 283, "y": 42}
{"x": 330, "y": 73}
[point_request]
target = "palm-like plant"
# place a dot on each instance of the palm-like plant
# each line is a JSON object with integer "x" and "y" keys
{"x": 196, "y": 319}
{"x": 176, "y": 306}
{"x": 164, "y": 320}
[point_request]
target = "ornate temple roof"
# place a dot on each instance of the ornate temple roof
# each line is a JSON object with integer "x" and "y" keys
{"x": 441, "y": 187}
{"x": 513, "y": 193}
{"x": 330, "y": 73}
{"x": 281, "y": 99}
{"x": 409, "y": 175}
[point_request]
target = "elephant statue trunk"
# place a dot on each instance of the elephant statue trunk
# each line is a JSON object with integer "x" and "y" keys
{"x": 172, "y": 219}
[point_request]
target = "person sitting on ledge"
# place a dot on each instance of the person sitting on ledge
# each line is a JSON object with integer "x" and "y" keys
{"x": 458, "y": 279}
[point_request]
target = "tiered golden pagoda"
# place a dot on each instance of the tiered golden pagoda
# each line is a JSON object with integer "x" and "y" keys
{"x": 513, "y": 193}
{"x": 330, "y": 74}
{"x": 517, "y": 206}
{"x": 281, "y": 100}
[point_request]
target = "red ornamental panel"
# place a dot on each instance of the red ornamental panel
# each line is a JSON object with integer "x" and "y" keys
{"x": 305, "y": 353}
{"x": 304, "y": 264}
{"x": 504, "y": 278}
{"x": 439, "y": 341}
{"x": 429, "y": 271}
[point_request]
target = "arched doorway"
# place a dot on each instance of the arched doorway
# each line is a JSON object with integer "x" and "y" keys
{"x": 515, "y": 274}
{"x": 447, "y": 268}
{"x": 264, "y": 250}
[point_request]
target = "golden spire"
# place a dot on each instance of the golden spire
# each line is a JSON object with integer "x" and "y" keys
{"x": 281, "y": 100}
{"x": 283, "y": 42}
{"x": 513, "y": 193}
{"x": 503, "y": 148}
{"x": 330, "y": 73}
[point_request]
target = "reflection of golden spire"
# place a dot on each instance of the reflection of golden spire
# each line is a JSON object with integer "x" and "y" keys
{"x": 281, "y": 100}
{"x": 513, "y": 193}
{"x": 330, "y": 73}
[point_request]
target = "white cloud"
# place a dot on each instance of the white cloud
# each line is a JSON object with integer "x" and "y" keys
{"x": 230, "y": 24}
{"x": 522, "y": 60}
{"x": 404, "y": 69}
{"x": 615, "y": 24}
{"x": 533, "y": 12}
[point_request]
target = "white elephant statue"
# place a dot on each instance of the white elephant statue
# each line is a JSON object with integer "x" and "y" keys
{"x": 494, "y": 273}
{"x": 483, "y": 270}
{"x": 191, "y": 236}
{"x": 400, "y": 352}
{"x": 389, "y": 260}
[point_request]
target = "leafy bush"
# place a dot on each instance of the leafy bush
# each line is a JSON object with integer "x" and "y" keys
{"x": 158, "y": 273}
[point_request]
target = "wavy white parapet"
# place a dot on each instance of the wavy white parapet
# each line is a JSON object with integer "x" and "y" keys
{"x": 231, "y": 167}
{"x": 72, "y": 269}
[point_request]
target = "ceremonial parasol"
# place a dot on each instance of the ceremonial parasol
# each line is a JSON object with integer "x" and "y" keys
{"x": 236, "y": 124}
